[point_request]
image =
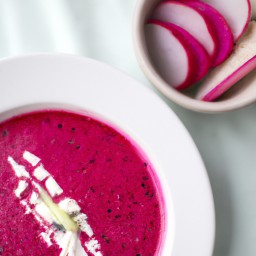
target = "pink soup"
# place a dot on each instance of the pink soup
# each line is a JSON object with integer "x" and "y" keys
{"x": 93, "y": 164}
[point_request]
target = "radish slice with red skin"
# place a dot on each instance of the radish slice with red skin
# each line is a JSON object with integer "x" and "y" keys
{"x": 236, "y": 12}
{"x": 189, "y": 19}
{"x": 201, "y": 59}
{"x": 241, "y": 62}
{"x": 169, "y": 56}
{"x": 199, "y": 56}
{"x": 233, "y": 78}
{"x": 177, "y": 56}
{"x": 223, "y": 35}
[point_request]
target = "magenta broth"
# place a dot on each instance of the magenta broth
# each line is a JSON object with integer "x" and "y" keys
{"x": 94, "y": 164}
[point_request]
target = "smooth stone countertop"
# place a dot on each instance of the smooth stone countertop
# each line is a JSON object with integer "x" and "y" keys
{"x": 102, "y": 30}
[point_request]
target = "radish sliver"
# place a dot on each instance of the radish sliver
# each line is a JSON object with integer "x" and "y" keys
{"x": 189, "y": 19}
{"x": 239, "y": 64}
{"x": 176, "y": 55}
{"x": 236, "y": 12}
{"x": 220, "y": 30}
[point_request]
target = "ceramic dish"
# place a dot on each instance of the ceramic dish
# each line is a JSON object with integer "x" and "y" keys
{"x": 37, "y": 81}
{"x": 241, "y": 95}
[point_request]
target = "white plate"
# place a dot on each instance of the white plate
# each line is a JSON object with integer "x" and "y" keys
{"x": 99, "y": 88}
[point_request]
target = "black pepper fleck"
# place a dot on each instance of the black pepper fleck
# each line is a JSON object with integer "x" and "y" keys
{"x": 149, "y": 194}
{"x": 145, "y": 178}
{"x": 106, "y": 238}
{"x": 92, "y": 189}
{"x": 58, "y": 226}
{"x": 131, "y": 216}
{"x": 5, "y": 133}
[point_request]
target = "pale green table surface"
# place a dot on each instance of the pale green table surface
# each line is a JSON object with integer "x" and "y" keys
{"x": 101, "y": 29}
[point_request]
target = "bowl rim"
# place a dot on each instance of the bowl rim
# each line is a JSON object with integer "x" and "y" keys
{"x": 68, "y": 73}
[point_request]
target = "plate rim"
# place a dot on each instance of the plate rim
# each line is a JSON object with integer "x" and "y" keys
{"x": 149, "y": 93}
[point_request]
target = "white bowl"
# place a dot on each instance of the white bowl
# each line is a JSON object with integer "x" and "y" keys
{"x": 84, "y": 84}
{"x": 241, "y": 95}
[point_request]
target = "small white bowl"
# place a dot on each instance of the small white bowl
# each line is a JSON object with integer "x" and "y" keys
{"x": 239, "y": 96}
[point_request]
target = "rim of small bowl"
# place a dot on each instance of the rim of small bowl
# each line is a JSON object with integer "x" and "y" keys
{"x": 141, "y": 13}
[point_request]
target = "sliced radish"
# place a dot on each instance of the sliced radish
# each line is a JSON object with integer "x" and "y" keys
{"x": 177, "y": 56}
{"x": 199, "y": 56}
{"x": 168, "y": 55}
{"x": 189, "y": 19}
{"x": 240, "y": 63}
{"x": 222, "y": 34}
{"x": 236, "y": 12}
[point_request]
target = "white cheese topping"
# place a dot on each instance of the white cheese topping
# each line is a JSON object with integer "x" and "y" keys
{"x": 20, "y": 170}
{"x": 40, "y": 173}
{"x": 93, "y": 247}
{"x": 34, "y": 198}
{"x": 46, "y": 237}
{"x": 41, "y": 215}
{"x": 80, "y": 250}
{"x": 31, "y": 158}
{"x": 67, "y": 240}
{"x": 27, "y": 207}
{"x": 70, "y": 206}
{"x": 68, "y": 244}
{"x": 81, "y": 220}
{"x": 41, "y": 209}
{"x": 53, "y": 187}
{"x": 21, "y": 188}
{"x": 72, "y": 245}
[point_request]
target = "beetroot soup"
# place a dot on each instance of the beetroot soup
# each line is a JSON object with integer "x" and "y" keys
{"x": 67, "y": 179}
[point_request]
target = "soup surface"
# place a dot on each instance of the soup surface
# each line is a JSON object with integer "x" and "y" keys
{"x": 89, "y": 170}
